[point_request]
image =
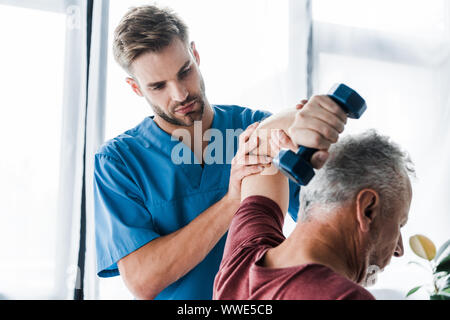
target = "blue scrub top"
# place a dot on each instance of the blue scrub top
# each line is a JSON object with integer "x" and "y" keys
{"x": 141, "y": 194}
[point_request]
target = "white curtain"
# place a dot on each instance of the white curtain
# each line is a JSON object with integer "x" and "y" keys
{"x": 95, "y": 132}
{"x": 396, "y": 54}
{"x": 72, "y": 151}
{"x": 83, "y": 130}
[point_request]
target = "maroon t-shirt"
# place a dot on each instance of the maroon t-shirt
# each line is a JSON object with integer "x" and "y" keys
{"x": 256, "y": 227}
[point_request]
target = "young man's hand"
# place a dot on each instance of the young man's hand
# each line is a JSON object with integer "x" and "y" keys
{"x": 244, "y": 163}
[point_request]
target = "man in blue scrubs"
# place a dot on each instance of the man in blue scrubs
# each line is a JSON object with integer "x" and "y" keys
{"x": 165, "y": 191}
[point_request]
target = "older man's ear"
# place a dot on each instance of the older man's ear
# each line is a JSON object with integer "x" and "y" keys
{"x": 367, "y": 208}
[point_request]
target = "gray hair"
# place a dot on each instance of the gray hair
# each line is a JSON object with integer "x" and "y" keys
{"x": 356, "y": 162}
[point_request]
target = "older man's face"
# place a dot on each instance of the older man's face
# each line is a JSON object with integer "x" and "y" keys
{"x": 387, "y": 238}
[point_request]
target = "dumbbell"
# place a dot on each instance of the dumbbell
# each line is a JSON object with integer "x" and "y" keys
{"x": 297, "y": 166}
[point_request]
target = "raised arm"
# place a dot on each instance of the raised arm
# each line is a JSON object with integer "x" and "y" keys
{"x": 317, "y": 124}
{"x": 270, "y": 183}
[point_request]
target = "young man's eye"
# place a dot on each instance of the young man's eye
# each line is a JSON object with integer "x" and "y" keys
{"x": 158, "y": 87}
{"x": 185, "y": 72}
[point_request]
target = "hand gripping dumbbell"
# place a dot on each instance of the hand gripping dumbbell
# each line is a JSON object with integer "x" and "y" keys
{"x": 297, "y": 166}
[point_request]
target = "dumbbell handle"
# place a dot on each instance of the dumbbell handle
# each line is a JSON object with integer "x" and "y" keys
{"x": 306, "y": 153}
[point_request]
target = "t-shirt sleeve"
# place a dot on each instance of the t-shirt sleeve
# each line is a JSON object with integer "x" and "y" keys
{"x": 258, "y": 220}
{"x": 122, "y": 222}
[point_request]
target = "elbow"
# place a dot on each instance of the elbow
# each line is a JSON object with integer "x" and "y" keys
{"x": 140, "y": 281}
{"x": 144, "y": 274}
{"x": 141, "y": 289}
{"x": 144, "y": 294}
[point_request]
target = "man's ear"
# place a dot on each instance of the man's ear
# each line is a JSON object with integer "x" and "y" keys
{"x": 367, "y": 208}
{"x": 134, "y": 86}
{"x": 195, "y": 53}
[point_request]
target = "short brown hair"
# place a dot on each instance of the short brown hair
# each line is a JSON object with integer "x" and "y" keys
{"x": 146, "y": 29}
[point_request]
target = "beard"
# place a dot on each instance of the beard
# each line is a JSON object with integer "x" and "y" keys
{"x": 194, "y": 115}
{"x": 188, "y": 119}
{"x": 371, "y": 276}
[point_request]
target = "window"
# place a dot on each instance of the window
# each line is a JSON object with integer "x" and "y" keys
{"x": 32, "y": 64}
{"x": 395, "y": 54}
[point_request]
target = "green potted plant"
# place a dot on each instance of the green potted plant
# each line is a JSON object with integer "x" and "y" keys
{"x": 438, "y": 264}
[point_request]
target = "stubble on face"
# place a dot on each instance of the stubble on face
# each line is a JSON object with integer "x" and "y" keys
{"x": 188, "y": 119}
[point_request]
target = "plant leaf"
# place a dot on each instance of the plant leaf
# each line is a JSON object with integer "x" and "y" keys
{"x": 439, "y": 297}
{"x": 413, "y": 290}
{"x": 442, "y": 249}
{"x": 444, "y": 265}
{"x": 422, "y": 246}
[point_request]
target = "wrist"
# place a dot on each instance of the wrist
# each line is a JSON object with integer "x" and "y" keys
{"x": 282, "y": 121}
{"x": 231, "y": 202}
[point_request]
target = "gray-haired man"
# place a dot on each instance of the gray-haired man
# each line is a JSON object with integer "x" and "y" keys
{"x": 348, "y": 229}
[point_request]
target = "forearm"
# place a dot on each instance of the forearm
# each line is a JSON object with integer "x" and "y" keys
{"x": 270, "y": 183}
{"x": 150, "y": 269}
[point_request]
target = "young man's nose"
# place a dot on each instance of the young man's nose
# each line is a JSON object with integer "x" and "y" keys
{"x": 399, "y": 249}
{"x": 179, "y": 92}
